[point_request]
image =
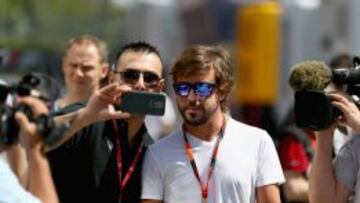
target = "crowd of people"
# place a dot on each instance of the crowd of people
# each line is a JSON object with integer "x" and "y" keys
{"x": 107, "y": 155}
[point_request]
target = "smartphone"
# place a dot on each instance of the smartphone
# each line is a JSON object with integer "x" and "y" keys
{"x": 145, "y": 103}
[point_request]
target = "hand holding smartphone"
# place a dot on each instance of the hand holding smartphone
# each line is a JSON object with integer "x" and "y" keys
{"x": 145, "y": 103}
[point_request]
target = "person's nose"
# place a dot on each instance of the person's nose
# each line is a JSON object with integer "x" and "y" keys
{"x": 140, "y": 84}
{"x": 192, "y": 96}
{"x": 79, "y": 72}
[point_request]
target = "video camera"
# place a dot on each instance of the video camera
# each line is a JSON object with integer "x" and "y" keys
{"x": 9, "y": 129}
{"x": 313, "y": 109}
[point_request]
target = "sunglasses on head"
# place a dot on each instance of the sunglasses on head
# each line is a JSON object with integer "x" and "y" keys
{"x": 201, "y": 89}
{"x": 131, "y": 76}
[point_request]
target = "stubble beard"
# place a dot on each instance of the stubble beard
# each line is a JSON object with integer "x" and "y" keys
{"x": 201, "y": 117}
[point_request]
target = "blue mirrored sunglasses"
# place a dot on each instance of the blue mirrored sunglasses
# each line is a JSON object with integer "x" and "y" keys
{"x": 201, "y": 89}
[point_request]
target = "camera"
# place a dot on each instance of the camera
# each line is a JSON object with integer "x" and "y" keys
{"x": 350, "y": 76}
{"x": 9, "y": 129}
{"x": 313, "y": 109}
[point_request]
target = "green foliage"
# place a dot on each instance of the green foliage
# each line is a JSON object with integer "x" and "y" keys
{"x": 50, "y": 23}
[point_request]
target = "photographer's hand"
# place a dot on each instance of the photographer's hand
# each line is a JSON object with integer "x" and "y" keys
{"x": 39, "y": 176}
{"x": 29, "y": 137}
{"x": 351, "y": 114}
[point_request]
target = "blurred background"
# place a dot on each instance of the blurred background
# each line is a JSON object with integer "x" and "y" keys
{"x": 265, "y": 38}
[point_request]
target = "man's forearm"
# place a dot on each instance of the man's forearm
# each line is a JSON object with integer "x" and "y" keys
{"x": 76, "y": 120}
{"x": 40, "y": 182}
{"x": 322, "y": 178}
{"x": 296, "y": 187}
{"x": 16, "y": 157}
{"x": 268, "y": 194}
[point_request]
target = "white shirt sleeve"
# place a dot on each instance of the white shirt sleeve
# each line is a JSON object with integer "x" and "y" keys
{"x": 269, "y": 169}
{"x": 159, "y": 125}
{"x": 152, "y": 181}
{"x": 11, "y": 190}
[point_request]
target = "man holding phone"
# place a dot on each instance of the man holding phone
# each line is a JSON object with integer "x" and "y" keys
{"x": 102, "y": 162}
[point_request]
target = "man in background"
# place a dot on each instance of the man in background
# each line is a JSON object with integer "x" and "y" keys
{"x": 85, "y": 68}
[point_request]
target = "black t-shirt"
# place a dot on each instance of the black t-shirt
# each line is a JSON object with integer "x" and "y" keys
{"x": 84, "y": 168}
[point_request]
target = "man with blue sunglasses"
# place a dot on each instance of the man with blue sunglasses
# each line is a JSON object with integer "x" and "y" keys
{"x": 212, "y": 158}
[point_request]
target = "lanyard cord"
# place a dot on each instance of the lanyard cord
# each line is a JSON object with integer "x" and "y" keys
{"x": 190, "y": 156}
{"x": 129, "y": 173}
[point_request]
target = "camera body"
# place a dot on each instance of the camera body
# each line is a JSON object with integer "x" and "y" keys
{"x": 319, "y": 115}
{"x": 9, "y": 128}
{"x": 313, "y": 109}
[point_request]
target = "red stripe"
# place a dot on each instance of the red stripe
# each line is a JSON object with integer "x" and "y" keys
{"x": 190, "y": 155}
{"x": 129, "y": 173}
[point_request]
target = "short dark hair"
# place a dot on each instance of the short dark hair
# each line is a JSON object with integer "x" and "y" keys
{"x": 343, "y": 60}
{"x": 139, "y": 46}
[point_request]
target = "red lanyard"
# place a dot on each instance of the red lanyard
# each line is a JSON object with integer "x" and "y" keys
{"x": 190, "y": 156}
{"x": 132, "y": 167}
